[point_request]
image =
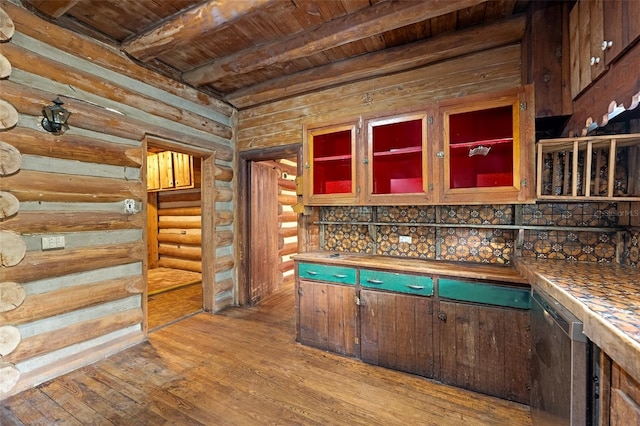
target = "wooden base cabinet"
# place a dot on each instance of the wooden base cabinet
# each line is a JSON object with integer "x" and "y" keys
{"x": 327, "y": 316}
{"x": 485, "y": 349}
{"x": 469, "y": 333}
{"x": 625, "y": 398}
{"x": 396, "y": 331}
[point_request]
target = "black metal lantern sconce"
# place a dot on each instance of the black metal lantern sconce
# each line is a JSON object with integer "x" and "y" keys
{"x": 55, "y": 117}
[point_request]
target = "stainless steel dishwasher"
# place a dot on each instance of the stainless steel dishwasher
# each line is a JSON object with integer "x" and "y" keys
{"x": 562, "y": 387}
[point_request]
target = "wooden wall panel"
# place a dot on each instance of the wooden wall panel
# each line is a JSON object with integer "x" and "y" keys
{"x": 86, "y": 300}
{"x": 280, "y": 123}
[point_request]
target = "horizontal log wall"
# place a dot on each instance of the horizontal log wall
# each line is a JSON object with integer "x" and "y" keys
{"x": 83, "y": 302}
{"x": 288, "y": 226}
{"x": 180, "y": 230}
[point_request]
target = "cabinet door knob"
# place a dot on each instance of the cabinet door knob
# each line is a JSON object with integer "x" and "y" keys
{"x": 594, "y": 60}
{"x": 606, "y": 45}
{"x": 440, "y": 154}
{"x": 442, "y": 316}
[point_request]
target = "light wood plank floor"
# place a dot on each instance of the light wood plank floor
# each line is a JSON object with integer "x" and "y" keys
{"x": 243, "y": 367}
{"x": 173, "y": 305}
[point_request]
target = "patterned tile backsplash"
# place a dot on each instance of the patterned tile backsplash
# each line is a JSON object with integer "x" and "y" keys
{"x": 631, "y": 255}
{"x": 439, "y": 232}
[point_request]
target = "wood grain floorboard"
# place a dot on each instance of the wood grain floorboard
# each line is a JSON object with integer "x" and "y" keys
{"x": 243, "y": 367}
{"x": 174, "y": 305}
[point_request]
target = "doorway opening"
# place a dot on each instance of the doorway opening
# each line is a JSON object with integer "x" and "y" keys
{"x": 176, "y": 234}
{"x": 268, "y": 223}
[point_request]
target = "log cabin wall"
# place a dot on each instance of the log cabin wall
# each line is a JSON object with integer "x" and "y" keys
{"x": 288, "y": 220}
{"x": 83, "y": 302}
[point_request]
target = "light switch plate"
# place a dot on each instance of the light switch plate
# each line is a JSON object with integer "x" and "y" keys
{"x": 405, "y": 239}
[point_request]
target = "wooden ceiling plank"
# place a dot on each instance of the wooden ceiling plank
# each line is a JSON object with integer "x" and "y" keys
{"x": 392, "y": 60}
{"x": 381, "y": 17}
{"x": 186, "y": 26}
{"x": 55, "y": 8}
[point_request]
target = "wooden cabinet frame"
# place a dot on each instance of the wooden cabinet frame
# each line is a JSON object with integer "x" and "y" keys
{"x": 421, "y": 196}
{"x": 311, "y": 137}
{"x": 522, "y": 188}
{"x": 435, "y": 153}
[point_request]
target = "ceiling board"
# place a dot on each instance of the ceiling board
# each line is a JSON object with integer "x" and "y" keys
{"x": 268, "y": 42}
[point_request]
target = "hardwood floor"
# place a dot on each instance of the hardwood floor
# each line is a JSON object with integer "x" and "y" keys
{"x": 243, "y": 367}
{"x": 174, "y": 305}
{"x": 164, "y": 279}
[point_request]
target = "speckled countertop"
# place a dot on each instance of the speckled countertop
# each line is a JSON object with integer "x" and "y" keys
{"x": 606, "y": 297}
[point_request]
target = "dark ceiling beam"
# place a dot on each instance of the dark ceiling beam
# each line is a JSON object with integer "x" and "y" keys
{"x": 397, "y": 59}
{"x": 54, "y": 8}
{"x": 189, "y": 25}
{"x": 376, "y": 19}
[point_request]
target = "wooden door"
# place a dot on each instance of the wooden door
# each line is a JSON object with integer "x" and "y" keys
{"x": 327, "y": 316}
{"x": 263, "y": 238}
{"x": 396, "y": 331}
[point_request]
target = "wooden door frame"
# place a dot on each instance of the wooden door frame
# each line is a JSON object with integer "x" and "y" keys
{"x": 243, "y": 212}
{"x": 207, "y": 216}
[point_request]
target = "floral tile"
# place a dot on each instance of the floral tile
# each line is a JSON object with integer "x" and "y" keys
{"x": 631, "y": 256}
{"x": 569, "y": 245}
{"x": 348, "y": 238}
{"x": 477, "y": 245}
{"x": 347, "y": 214}
{"x": 412, "y": 214}
{"x": 477, "y": 215}
{"x": 422, "y": 245}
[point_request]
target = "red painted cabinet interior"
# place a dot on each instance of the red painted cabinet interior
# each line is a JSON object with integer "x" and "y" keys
{"x": 481, "y": 148}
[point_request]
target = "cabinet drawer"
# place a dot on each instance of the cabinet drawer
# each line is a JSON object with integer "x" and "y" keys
{"x": 400, "y": 283}
{"x": 488, "y": 294}
{"x": 334, "y": 274}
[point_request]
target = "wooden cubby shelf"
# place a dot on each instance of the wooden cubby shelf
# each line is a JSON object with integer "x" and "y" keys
{"x": 579, "y": 169}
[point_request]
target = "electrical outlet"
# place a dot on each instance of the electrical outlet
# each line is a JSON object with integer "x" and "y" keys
{"x": 50, "y": 243}
{"x": 129, "y": 206}
{"x": 405, "y": 239}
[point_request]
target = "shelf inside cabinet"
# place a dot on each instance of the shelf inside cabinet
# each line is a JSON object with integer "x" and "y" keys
{"x": 488, "y": 142}
{"x": 579, "y": 169}
{"x": 333, "y": 158}
{"x": 399, "y": 151}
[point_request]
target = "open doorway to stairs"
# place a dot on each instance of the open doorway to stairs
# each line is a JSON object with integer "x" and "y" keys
{"x": 269, "y": 226}
{"x": 176, "y": 234}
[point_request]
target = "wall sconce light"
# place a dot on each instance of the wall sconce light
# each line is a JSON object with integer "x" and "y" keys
{"x": 55, "y": 117}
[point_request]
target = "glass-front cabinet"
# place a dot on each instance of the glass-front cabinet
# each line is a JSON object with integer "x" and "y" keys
{"x": 330, "y": 167}
{"x": 397, "y": 161}
{"x": 487, "y": 149}
{"x": 477, "y": 149}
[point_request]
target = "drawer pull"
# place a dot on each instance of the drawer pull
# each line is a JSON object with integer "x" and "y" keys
{"x": 339, "y": 275}
{"x": 312, "y": 273}
{"x": 372, "y": 281}
{"x": 415, "y": 287}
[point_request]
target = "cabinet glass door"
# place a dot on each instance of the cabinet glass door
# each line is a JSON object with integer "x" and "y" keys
{"x": 487, "y": 154}
{"x": 331, "y": 165}
{"x": 397, "y": 161}
{"x": 481, "y": 148}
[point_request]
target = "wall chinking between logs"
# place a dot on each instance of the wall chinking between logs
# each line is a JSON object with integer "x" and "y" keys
{"x": 86, "y": 301}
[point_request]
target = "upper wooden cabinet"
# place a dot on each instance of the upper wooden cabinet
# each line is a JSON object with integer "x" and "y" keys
{"x": 169, "y": 170}
{"x": 397, "y": 160}
{"x": 599, "y": 32}
{"x": 621, "y": 27}
{"x": 487, "y": 148}
{"x": 586, "y": 34}
{"x": 330, "y": 168}
{"x": 477, "y": 149}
